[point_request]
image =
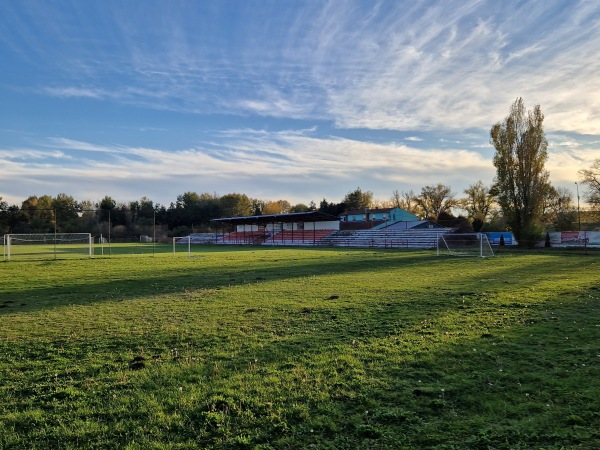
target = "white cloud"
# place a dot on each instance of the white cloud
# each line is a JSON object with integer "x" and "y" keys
{"x": 383, "y": 65}
{"x": 431, "y": 69}
{"x": 74, "y": 92}
{"x": 279, "y": 162}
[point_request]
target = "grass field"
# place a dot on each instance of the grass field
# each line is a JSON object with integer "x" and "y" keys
{"x": 278, "y": 348}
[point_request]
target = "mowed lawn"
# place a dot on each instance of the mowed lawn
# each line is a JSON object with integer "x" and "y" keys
{"x": 275, "y": 348}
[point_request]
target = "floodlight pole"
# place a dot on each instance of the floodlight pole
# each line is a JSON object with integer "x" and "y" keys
{"x": 109, "y": 248}
{"x": 578, "y": 210}
{"x": 54, "y": 233}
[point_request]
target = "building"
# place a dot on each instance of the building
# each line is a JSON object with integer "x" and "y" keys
{"x": 370, "y": 218}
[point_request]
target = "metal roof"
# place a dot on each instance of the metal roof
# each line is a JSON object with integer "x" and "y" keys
{"x": 313, "y": 216}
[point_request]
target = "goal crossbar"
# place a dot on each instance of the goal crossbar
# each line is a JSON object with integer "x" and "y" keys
{"x": 35, "y": 245}
{"x": 464, "y": 244}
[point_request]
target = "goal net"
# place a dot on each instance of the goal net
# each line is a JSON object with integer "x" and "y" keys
{"x": 464, "y": 244}
{"x": 194, "y": 244}
{"x": 48, "y": 245}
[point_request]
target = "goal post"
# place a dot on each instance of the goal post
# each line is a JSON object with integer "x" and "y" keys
{"x": 44, "y": 245}
{"x": 464, "y": 244}
{"x": 183, "y": 240}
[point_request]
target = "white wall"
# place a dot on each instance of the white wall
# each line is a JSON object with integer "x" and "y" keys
{"x": 575, "y": 238}
{"x": 332, "y": 225}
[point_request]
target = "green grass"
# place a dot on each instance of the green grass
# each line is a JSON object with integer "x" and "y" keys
{"x": 301, "y": 348}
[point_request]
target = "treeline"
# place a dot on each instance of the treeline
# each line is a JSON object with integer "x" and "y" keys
{"x": 193, "y": 212}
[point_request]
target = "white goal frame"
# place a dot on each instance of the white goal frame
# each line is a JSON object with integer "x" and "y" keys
{"x": 464, "y": 245}
{"x": 179, "y": 240}
{"x": 55, "y": 240}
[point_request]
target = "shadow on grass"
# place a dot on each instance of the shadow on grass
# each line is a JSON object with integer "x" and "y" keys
{"x": 532, "y": 383}
{"x": 395, "y": 376}
{"x": 159, "y": 279}
{"x": 193, "y": 275}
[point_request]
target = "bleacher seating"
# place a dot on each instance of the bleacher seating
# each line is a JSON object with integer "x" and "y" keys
{"x": 244, "y": 237}
{"x": 376, "y": 238}
{"x": 298, "y": 237}
{"x": 419, "y": 238}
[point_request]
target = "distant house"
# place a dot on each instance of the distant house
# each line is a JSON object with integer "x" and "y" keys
{"x": 414, "y": 225}
{"x": 390, "y": 215}
{"x": 370, "y": 218}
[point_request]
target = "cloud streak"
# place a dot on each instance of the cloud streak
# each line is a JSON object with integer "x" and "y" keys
{"x": 299, "y": 98}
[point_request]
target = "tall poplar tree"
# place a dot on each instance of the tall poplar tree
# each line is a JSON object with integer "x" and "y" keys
{"x": 521, "y": 178}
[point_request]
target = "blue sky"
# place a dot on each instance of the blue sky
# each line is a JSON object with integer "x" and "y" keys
{"x": 295, "y": 100}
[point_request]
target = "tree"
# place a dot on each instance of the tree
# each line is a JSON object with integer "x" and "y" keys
{"x": 335, "y": 209}
{"x": 478, "y": 203}
{"x": 591, "y": 178}
{"x": 67, "y": 213}
{"x": 4, "y": 217}
{"x": 191, "y": 210}
{"x": 559, "y": 209}
{"x": 278, "y": 207}
{"x": 40, "y": 214}
{"x": 258, "y": 206}
{"x": 435, "y": 199}
{"x": 521, "y": 178}
{"x": 358, "y": 199}
{"x": 236, "y": 205}
{"x": 300, "y": 207}
{"x": 106, "y": 205}
{"x": 406, "y": 201}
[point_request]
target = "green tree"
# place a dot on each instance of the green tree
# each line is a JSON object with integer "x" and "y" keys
{"x": 40, "y": 214}
{"x": 358, "y": 199}
{"x": 521, "y": 178}
{"x": 4, "y": 216}
{"x": 188, "y": 200}
{"x": 258, "y": 207}
{"x": 236, "y": 205}
{"x": 107, "y": 205}
{"x": 334, "y": 209}
{"x": 67, "y": 213}
{"x": 301, "y": 207}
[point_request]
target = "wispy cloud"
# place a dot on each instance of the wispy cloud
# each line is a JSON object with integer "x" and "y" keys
{"x": 379, "y": 66}
{"x": 289, "y": 160}
{"x": 73, "y": 92}
{"x": 434, "y": 76}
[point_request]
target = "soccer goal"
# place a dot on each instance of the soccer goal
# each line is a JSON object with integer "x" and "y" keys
{"x": 182, "y": 242}
{"x": 48, "y": 245}
{"x": 464, "y": 244}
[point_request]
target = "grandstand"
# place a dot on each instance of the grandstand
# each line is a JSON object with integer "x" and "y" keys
{"x": 318, "y": 229}
{"x": 384, "y": 238}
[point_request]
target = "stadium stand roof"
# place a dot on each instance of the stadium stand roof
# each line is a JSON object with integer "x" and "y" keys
{"x": 313, "y": 216}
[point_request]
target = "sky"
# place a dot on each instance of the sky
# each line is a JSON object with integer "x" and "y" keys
{"x": 295, "y": 100}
